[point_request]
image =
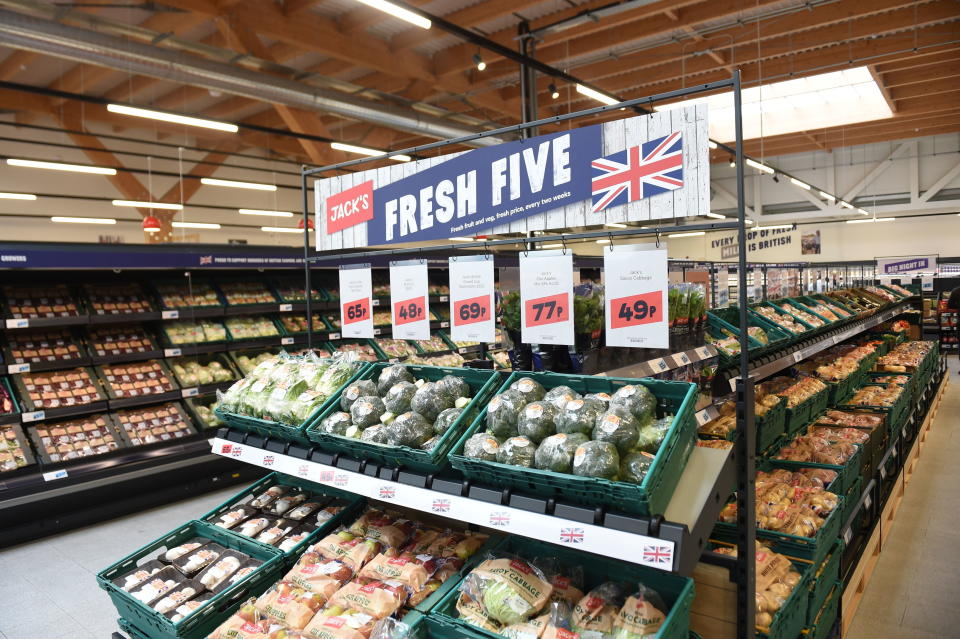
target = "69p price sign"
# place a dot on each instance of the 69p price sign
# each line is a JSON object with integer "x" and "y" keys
{"x": 355, "y": 291}
{"x": 636, "y": 285}
{"x": 408, "y": 299}
{"x": 546, "y": 297}
{"x": 471, "y": 299}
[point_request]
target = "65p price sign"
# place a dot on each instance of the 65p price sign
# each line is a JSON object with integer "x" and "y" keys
{"x": 471, "y": 299}
{"x": 408, "y": 299}
{"x": 546, "y": 294}
{"x": 636, "y": 280}
{"x": 355, "y": 293}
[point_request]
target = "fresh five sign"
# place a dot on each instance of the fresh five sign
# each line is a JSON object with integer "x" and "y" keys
{"x": 592, "y": 175}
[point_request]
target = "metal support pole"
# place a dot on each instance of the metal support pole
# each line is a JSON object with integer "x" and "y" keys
{"x": 306, "y": 254}
{"x": 528, "y": 79}
{"x": 745, "y": 448}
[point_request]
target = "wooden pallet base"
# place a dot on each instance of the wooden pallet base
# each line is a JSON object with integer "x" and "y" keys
{"x": 853, "y": 593}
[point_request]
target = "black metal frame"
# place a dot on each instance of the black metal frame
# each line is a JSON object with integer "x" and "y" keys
{"x": 744, "y": 452}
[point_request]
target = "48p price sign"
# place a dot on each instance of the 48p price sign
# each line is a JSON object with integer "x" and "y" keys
{"x": 408, "y": 298}
{"x": 636, "y": 281}
{"x": 471, "y": 299}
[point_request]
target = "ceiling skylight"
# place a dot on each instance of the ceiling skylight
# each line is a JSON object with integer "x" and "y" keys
{"x": 815, "y": 102}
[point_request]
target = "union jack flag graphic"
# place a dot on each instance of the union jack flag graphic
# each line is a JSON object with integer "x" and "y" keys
{"x": 206, "y": 259}
{"x": 236, "y": 451}
{"x": 387, "y": 492}
{"x": 326, "y": 475}
{"x": 500, "y": 519}
{"x": 441, "y": 505}
{"x": 640, "y": 171}
{"x": 268, "y": 460}
{"x": 571, "y": 535}
{"x": 341, "y": 480}
{"x": 658, "y": 554}
{"x": 303, "y": 470}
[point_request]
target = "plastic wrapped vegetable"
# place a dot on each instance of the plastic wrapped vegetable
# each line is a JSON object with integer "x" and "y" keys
{"x": 603, "y": 397}
{"x": 621, "y": 430}
{"x": 398, "y": 396}
{"x": 651, "y": 436}
{"x": 556, "y": 452}
{"x": 336, "y": 376}
{"x": 579, "y": 416}
{"x": 596, "y": 459}
{"x": 336, "y": 423}
{"x": 410, "y": 429}
{"x": 282, "y": 396}
{"x": 454, "y": 386}
{"x": 483, "y": 446}
{"x": 517, "y": 451}
{"x": 367, "y": 411}
{"x": 529, "y": 388}
{"x": 634, "y": 466}
{"x": 446, "y": 419}
{"x": 560, "y": 395}
{"x": 430, "y": 400}
{"x": 355, "y": 391}
{"x": 509, "y": 589}
{"x": 536, "y": 421}
{"x": 376, "y": 434}
{"x": 304, "y": 406}
{"x": 594, "y": 614}
{"x": 392, "y": 375}
{"x": 503, "y": 412}
{"x": 637, "y": 399}
{"x": 641, "y": 615}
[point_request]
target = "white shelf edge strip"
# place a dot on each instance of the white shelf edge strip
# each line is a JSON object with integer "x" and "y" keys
{"x": 638, "y": 549}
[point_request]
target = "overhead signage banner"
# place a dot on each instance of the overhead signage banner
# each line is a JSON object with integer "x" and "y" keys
{"x": 356, "y": 319}
{"x": 409, "y": 292}
{"x": 639, "y": 168}
{"x": 546, "y": 297}
{"x": 906, "y": 264}
{"x": 636, "y": 285}
{"x": 471, "y": 299}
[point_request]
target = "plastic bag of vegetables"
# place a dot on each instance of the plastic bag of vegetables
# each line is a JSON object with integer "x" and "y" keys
{"x": 509, "y": 589}
{"x": 641, "y": 615}
{"x": 594, "y": 614}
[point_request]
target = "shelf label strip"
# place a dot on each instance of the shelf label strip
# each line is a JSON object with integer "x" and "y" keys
{"x": 18, "y": 323}
{"x": 18, "y": 368}
{"x": 638, "y": 549}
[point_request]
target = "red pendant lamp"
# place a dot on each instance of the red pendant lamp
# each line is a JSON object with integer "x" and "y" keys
{"x": 151, "y": 224}
{"x": 309, "y": 224}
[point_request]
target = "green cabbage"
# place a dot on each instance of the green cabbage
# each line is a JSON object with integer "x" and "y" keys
{"x": 397, "y": 399}
{"x": 410, "y": 429}
{"x": 367, "y": 411}
{"x": 355, "y": 391}
{"x": 560, "y": 395}
{"x": 517, "y": 451}
{"x": 392, "y": 375}
{"x": 503, "y": 603}
{"x": 531, "y": 390}
{"x": 536, "y": 421}
{"x": 336, "y": 423}
{"x": 579, "y": 416}
{"x": 620, "y": 430}
{"x": 377, "y": 434}
{"x": 637, "y": 399}
{"x": 446, "y": 419}
{"x": 556, "y": 452}
{"x": 596, "y": 459}
{"x": 454, "y": 386}
{"x": 430, "y": 400}
{"x": 482, "y": 446}
{"x": 503, "y": 412}
{"x": 634, "y": 467}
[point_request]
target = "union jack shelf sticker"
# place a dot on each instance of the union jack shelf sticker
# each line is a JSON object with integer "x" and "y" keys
{"x": 441, "y": 505}
{"x": 236, "y": 451}
{"x": 387, "y": 492}
{"x": 326, "y": 475}
{"x": 658, "y": 555}
{"x": 341, "y": 480}
{"x": 303, "y": 470}
{"x": 268, "y": 460}
{"x": 500, "y": 518}
{"x": 571, "y": 535}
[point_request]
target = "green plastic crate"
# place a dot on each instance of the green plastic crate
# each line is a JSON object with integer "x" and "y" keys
{"x": 650, "y": 497}
{"x": 212, "y": 613}
{"x": 791, "y": 303}
{"x": 482, "y": 384}
{"x": 805, "y": 412}
{"x": 895, "y": 414}
{"x": 807, "y": 333}
{"x": 847, "y": 473}
{"x": 676, "y": 591}
{"x": 771, "y": 426}
{"x": 823, "y": 577}
{"x": 827, "y": 615}
{"x": 350, "y": 511}
{"x": 809, "y": 301}
{"x": 728, "y": 319}
{"x": 851, "y": 499}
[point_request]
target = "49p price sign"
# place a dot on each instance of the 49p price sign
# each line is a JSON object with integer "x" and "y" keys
{"x": 546, "y": 297}
{"x": 356, "y": 319}
{"x": 409, "y": 291}
{"x": 471, "y": 299}
{"x": 636, "y": 285}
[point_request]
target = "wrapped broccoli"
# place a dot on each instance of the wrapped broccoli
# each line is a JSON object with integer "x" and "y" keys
{"x": 579, "y": 416}
{"x": 560, "y": 395}
{"x": 530, "y": 389}
{"x": 336, "y": 423}
{"x": 621, "y": 430}
{"x": 397, "y": 399}
{"x": 637, "y": 399}
{"x": 431, "y": 443}
{"x": 634, "y": 467}
{"x": 517, "y": 451}
{"x": 508, "y": 589}
{"x": 446, "y": 419}
{"x": 596, "y": 459}
{"x": 503, "y": 412}
{"x": 410, "y": 429}
{"x": 392, "y": 375}
{"x": 536, "y": 421}
{"x": 483, "y": 446}
{"x": 556, "y": 452}
{"x": 454, "y": 386}
{"x": 430, "y": 400}
{"x": 367, "y": 411}
{"x": 355, "y": 391}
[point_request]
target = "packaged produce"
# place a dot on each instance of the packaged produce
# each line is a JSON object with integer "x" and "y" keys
{"x": 796, "y": 391}
{"x": 809, "y": 318}
{"x": 76, "y": 438}
{"x": 882, "y": 293}
{"x": 363, "y": 351}
{"x": 192, "y": 371}
{"x": 154, "y": 424}
{"x": 500, "y": 358}
{"x": 508, "y": 589}
{"x": 203, "y": 409}
{"x": 247, "y": 293}
{"x": 29, "y": 302}
{"x": 34, "y": 347}
{"x": 120, "y": 340}
{"x": 791, "y": 503}
{"x": 294, "y": 291}
{"x": 117, "y": 299}
{"x": 195, "y": 332}
{"x": 876, "y": 396}
{"x": 13, "y": 451}
{"x": 246, "y": 362}
{"x": 7, "y": 405}
{"x": 448, "y": 360}
{"x": 382, "y": 318}
{"x": 251, "y": 327}
{"x": 395, "y": 348}
{"x": 588, "y": 308}
{"x": 297, "y": 323}
{"x": 781, "y": 319}
{"x": 726, "y": 422}
{"x": 817, "y": 448}
{"x": 908, "y": 355}
{"x": 839, "y": 362}
{"x": 58, "y": 389}
{"x": 186, "y": 295}
{"x": 851, "y": 419}
{"x": 595, "y": 613}
{"x": 137, "y": 379}
{"x": 433, "y": 345}
{"x": 776, "y": 579}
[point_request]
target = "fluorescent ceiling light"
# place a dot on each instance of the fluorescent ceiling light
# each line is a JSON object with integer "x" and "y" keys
{"x": 759, "y": 166}
{"x": 398, "y": 12}
{"x": 195, "y": 225}
{"x": 616, "y": 225}
{"x": 83, "y": 220}
{"x": 711, "y": 144}
{"x": 172, "y": 117}
{"x": 603, "y": 241}
{"x": 777, "y": 226}
{"x": 827, "y": 196}
{"x": 265, "y": 212}
{"x": 872, "y": 220}
{"x": 281, "y": 229}
{"x": 803, "y": 185}
{"x": 234, "y": 184}
{"x": 552, "y": 246}
{"x": 845, "y": 205}
{"x": 362, "y": 150}
{"x": 690, "y": 234}
{"x": 59, "y": 166}
{"x": 820, "y": 101}
{"x": 17, "y": 196}
{"x": 596, "y": 95}
{"x": 148, "y": 205}
{"x": 862, "y": 212}
{"x": 716, "y": 216}
{"x": 461, "y": 239}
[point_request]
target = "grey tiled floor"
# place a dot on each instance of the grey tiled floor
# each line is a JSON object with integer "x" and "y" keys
{"x": 47, "y": 588}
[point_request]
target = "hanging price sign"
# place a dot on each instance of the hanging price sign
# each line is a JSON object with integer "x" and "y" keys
{"x": 636, "y": 307}
{"x": 723, "y": 288}
{"x": 355, "y": 293}
{"x": 546, "y": 295}
{"x": 471, "y": 299}
{"x": 408, "y": 299}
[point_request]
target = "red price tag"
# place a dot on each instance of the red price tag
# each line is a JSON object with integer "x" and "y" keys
{"x": 356, "y": 311}
{"x": 646, "y": 308}
{"x": 412, "y": 310}
{"x": 471, "y": 311}
{"x": 548, "y": 310}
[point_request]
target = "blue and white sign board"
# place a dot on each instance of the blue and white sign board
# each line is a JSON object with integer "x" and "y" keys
{"x": 641, "y": 168}
{"x": 926, "y": 284}
{"x": 906, "y": 265}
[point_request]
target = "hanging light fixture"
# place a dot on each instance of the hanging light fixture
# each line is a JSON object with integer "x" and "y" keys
{"x": 151, "y": 224}
{"x": 553, "y": 91}
{"x": 477, "y": 60}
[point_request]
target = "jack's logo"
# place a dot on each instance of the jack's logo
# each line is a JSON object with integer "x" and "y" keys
{"x": 349, "y": 208}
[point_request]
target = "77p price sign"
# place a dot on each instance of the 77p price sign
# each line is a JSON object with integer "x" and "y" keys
{"x": 636, "y": 281}
{"x": 546, "y": 293}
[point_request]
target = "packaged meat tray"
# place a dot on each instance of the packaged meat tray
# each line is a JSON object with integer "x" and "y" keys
{"x": 117, "y": 299}
{"x": 154, "y": 424}
{"x": 73, "y": 439}
{"x": 121, "y": 341}
{"x": 137, "y": 379}
{"x": 46, "y": 347}
{"x": 242, "y": 293}
{"x": 35, "y": 302}
{"x": 9, "y": 410}
{"x": 15, "y": 452}
{"x": 58, "y": 389}
{"x": 187, "y": 295}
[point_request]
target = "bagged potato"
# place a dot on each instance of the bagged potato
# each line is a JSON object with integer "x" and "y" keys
{"x": 410, "y": 570}
{"x": 509, "y": 589}
{"x": 344, "y": 546}
{"x": 640, "y": 616}
{"x": 318, "y": 574}
{"x": 383, "y": 527}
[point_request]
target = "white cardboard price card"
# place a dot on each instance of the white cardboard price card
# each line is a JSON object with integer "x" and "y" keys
{"x": 409, "y": 292}
{"x": 723, "y": 287}
{"x": 546, "y": 297}
{"x": 356, "y": 320}
{"x": 926, "y": 284}
{"x": 636, "y": 296}
{"x": 471, "y": 299}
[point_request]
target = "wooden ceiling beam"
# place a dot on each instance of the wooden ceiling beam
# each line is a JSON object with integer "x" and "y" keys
{"x": 205, "y": 167}
{"x": 16, "y": 63}
{"x": 922, "y": 59}
{"x": 468, "y": 17}
{"x": 884, "y": 90}
{"x": 931, "y": 73}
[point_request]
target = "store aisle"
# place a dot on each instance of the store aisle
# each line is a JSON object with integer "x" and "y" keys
{"x": 48, "y": 588}
{"x": 916, "y": 585}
